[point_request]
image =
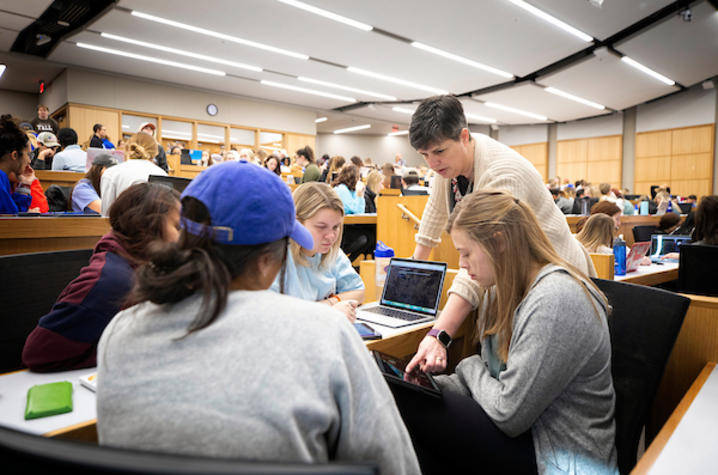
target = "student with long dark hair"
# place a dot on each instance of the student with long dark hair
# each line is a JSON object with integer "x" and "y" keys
{"x": 209, "y": 362}
{"x": 14, "y": 159}
{"x": 66, "y": 338}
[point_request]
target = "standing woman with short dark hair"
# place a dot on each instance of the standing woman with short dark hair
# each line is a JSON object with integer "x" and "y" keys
{"x": 209, "y": 362}
{"x": 14, "y": 158}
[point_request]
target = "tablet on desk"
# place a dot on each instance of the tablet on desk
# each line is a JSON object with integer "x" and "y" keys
{"x": 367, "y": 332}
{"x": 393, "y": 371}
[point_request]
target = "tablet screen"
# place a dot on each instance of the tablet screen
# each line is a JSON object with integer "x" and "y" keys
{"x": 393, "y": 368}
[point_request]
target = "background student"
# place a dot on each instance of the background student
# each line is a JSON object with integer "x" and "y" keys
{"x": 323, "y": 273}
{"x": 597, "y": 234}
{"x": 86, "y": 195}
{"x": 14, "y": 159}
{"x": 247, "y": 373}
{"x": 66, "y": 338}
{"x": 350, "y": 189}
{"x": 136, "y": 168}
{"x": 540, "y": 395}
{"x": 72, "y": 158}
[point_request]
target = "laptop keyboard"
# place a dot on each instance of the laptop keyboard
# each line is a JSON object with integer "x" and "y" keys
{"x": 400, "y": 314}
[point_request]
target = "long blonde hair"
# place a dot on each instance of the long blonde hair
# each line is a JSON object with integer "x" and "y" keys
{"x": 141, "y": 147}
{"x": 335, "y": 164}
{"x": 373, "y": 180}
{"x": 508, "y": 231}
{"x": 309, "y": 199}
{"x": 597, "y": 231}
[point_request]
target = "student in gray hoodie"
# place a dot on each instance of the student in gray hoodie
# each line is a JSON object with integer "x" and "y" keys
{"x": 540, "y": 396}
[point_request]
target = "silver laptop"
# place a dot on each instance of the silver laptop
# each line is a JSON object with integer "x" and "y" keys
{"x": 411, "y": 294}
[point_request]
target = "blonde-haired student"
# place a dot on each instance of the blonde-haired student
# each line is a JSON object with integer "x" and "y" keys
{"x": 596, "y": 235}
{"x": 323, "y": 274}
{"x": 540, "y": 396}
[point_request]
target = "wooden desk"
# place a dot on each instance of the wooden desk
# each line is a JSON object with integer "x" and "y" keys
{"x": 696, "y": 345}
{"x": 651, "y": 275}
{"x": 44, "y": 234}
{"x": 687, "y": 442}
{"x": 189, "y": 171}
{"x": 364, "y": 218}
{"x": 51, "y": 177}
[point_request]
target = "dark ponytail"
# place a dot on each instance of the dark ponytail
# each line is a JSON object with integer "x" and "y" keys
{"x": 12, "y": 139}
{"x": 197, "y": 264}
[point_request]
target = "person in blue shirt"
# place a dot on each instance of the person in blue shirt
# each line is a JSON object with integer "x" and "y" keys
{"x": 72, "y": 158}
{"x": 323, "y": 274}
{"x": 350, "y": 189}
{"x": 86, "y": 194}
{"x": 14, "y": 158}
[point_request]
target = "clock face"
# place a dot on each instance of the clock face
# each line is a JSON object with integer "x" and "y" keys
{"x": 212, "y": 109}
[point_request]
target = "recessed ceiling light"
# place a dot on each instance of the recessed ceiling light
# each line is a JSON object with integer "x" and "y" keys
{"x": 553, "y": 20}
{"x": 319, "y": 120}
{"x": 403, "y": 110}
{"x": 222, "y": 36}
{"x": 494, "y": 105}
{"x": 181, "y": 52}
{"x": 461, "y": 59}
{"x": 399, "y": 132}
{"x": 352, "y": 129}
{"x": 328, "y": 14}
{"x": 647, "y": 70}
{"x": 561, "y": 93}
{"x": 480, "y": 118}
{"x": 308, "y": 91}
{"x": 152, "y": 59}
{"x": 2, "y": 69}
{"x": 346, "y": 88}
{"x": 402, "y": 82}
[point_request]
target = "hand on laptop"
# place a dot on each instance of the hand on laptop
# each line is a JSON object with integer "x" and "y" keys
{"x": 429, "y": 358}
{"x": 348, "y": 308}
{"x": 671, "y": 255}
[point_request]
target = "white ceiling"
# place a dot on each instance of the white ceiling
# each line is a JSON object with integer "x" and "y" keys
{"x": 493, "y": 32}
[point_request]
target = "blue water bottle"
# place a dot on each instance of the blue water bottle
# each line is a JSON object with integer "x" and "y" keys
{"x": 670, "y": 206}
{"x": 619, "y": 256}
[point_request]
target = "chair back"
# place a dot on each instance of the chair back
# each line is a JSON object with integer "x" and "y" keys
{"x": 698, "y": 269}
{"x": 644, "y": 324}
{"x": 32, "y": 283}
{"x": 643, "y": 233}
{"x": 21, "y": 452}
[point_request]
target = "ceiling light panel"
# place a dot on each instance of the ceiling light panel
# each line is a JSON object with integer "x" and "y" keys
{"x": 684, "y": 52}
{"x": 462, "y": 60}
{"x": 352, "y": 129}
{"x": 347, "y": 88}
{"x": 607, "y": 80}
{"x": 490, "y": 32}
{"x": 327, "y": 14}
{"x": 150, "y": 59}
{"x": 319, "y": 120}
{"x": 397, "y": 133}
{"x": 580, "y": 100}
{"x": 305, "y": 90}
{"x": 556, "y": 22}
{"x": 646, "y": 70}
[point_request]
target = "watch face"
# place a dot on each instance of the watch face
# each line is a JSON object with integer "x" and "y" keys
{"x": 212, "y": 109}
{"x": 444, "y": 338}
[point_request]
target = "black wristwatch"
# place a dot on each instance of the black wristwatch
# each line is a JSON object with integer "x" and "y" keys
{"x": 442, "y": 336}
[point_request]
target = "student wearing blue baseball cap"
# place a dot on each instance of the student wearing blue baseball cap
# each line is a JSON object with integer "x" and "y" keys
{"x": 209, "y": 362}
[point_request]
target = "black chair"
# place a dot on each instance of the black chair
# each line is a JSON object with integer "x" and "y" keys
{"x": 31, "y": 284}
{"x": 697, "y": 269}
{"x": 407, "y": 192}
{"x": 26, "y": 453}
{"x": 643, "y": 233}
{"x": 644, "y": 325}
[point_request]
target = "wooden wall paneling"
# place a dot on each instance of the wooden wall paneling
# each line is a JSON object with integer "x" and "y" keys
{"x": 692, "y": 166}
{"x": 572, "y": 171}
{"x": 296, "y": 141}
{"x": 537, "y": 154}
{"x": 571, "y": 151}
{"x": 692, "y": 187}
{"x": 692, "y": 139}
{"x": 656, "y": 169}
{"x": 606, "y": 171}
{"x": 653, "y": 144}
{"x": 82, "y": 118}
{"x": 604, "y": 148}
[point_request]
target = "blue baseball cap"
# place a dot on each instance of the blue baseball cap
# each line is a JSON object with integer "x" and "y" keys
{"x": 248, "y": 205}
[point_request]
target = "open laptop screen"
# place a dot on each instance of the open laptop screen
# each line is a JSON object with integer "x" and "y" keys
{"x": 414, "y": 285}
{"x": 662, "y": 244}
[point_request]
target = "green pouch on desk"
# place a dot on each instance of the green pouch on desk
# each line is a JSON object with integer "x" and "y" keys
{"x": 48, "y": 400}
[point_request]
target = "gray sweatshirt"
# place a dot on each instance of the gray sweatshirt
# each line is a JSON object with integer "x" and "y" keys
{"x": 557, "y": 380}
{"x": 274, "y": 378}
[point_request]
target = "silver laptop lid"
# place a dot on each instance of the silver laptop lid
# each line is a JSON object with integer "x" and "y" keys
{"x": 662, "y": 244}
{"x": 414, "y": 285}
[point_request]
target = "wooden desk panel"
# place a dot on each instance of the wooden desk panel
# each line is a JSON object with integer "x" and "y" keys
{"x": 51, "y": 177}
{"x": 654, "y": 274}
{"x": 44, "y": 234}
{"x": 365, "y": 218}
{"x": 696, "y": 345}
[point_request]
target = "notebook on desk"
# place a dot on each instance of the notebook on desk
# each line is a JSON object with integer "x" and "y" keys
{"x": 662, "y": 244}
{"x": 411, "y": 294}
